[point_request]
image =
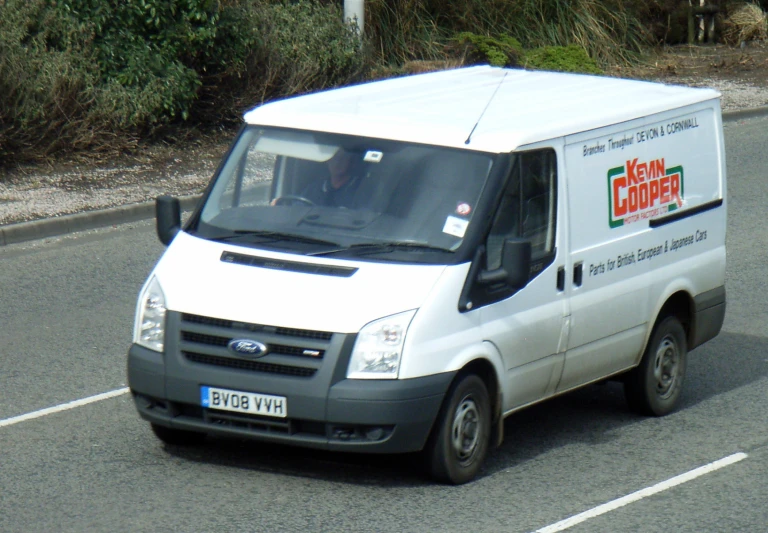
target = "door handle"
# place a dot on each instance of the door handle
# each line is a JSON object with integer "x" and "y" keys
{"x": 561, "y": 279}
{"x": 578, "y": 274}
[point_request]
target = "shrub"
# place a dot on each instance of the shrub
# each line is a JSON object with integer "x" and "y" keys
{"x": 99, "y": 74}
{"x": 504, "y": 51}
{"x": 152, "y": 48}
{"x": 95, "y": 74}
{"x": 562, "y": 58}
{"x": 303, "y": 46}
{"x": 507, "y": 51}
{"x": 287, "y": 48}
{"x": 47, "y": 79}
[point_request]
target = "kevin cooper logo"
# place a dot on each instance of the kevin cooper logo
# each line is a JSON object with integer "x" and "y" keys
{"x": 637, "y": 191}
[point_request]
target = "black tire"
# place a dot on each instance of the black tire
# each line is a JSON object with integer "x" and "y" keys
{"x": 654, "y": 387}
{"x": 177, "y": 437}
{"x": 459, "y": 441}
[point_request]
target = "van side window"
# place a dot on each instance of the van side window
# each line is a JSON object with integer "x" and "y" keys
{"x": 528, "y": 207}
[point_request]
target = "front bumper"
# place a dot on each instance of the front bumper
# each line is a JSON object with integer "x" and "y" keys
{"x": 325, "y": 411}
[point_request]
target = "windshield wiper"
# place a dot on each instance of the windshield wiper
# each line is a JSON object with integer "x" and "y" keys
{"x": 270, "y": 236}
{"x": 384, "y": 247}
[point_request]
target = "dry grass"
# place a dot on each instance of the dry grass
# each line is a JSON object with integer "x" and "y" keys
{"x": 747, "y": 22}
{"x": 409, "y": 30}
{"x": 418, "y": 67}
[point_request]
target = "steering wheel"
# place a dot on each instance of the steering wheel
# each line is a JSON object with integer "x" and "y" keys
{"x": 290, "y": 199}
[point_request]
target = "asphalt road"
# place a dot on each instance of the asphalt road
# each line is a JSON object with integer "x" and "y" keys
{"x": 66, "y": 308}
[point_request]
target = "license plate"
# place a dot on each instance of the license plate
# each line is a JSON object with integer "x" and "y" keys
{"x": 244, "y": 402}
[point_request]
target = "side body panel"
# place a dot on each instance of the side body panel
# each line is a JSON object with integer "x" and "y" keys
{"x": 619, "y": 180}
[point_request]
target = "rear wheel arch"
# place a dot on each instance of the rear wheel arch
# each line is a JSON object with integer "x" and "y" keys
{"x": 681, "y": 306}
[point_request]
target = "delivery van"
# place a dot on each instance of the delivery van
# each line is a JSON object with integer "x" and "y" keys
{"x": 398, "y": 266}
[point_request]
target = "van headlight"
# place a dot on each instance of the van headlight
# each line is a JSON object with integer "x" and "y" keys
{"x": 378, "y": 348}
{"x": 149, "y": 329}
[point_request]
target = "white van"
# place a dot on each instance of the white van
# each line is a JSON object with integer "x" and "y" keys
{"x": 398, "y": 266}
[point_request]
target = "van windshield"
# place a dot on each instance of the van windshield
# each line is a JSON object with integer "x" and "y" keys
{"x": 325, "y": 194}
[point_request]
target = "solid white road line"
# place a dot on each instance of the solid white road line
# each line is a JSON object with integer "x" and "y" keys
{"x": 63, "y": 407}
{"x": 644, "y": 493}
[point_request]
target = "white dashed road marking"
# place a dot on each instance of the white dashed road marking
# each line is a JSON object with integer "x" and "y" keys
{"x": 558, "y": 526}
{"x": 644, "y": 493}
{"x": 63, "y": 407}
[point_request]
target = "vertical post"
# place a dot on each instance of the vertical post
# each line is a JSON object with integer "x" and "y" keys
{"x": 691, "y": 29}
{"x": 354, "y": 10}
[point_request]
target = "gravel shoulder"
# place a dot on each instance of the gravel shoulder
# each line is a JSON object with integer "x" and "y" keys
{"x": 44, "y": 192}
{"x": 63, "y": 188}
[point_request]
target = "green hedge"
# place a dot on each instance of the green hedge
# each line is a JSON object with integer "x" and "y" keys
{"x": 97, "y": 75}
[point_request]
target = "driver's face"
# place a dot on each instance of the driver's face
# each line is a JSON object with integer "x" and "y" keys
{"x": 339, "y": 166}
{"x": 340, "y": 163}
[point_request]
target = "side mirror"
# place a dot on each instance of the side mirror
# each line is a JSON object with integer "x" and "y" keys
{"x": 168, "y": 218}
{"x": 516, "y": 261}
{"x": 515, "y": 265}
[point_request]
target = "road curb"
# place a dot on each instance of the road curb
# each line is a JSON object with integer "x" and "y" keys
{"x": 88, "y": 220}
{"x": 62, "y": 225}
{"x": 739, "y": 114}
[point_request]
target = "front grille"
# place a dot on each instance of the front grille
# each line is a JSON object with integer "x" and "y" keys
{"x": 253, "y": 366}
{"x": 282, "y": 349}
{"x": 208, "y": 321}
{"x": 257, "y": 328}
{"x": 296, "y": 350}
{"x": 202, "y": 338}
{"x": 290, "y": 352}
{"x": 304, "y": 333}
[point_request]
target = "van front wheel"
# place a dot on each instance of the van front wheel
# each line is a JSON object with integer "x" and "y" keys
{"x": 654, "y": 387}
{"x": 459, "y": 441}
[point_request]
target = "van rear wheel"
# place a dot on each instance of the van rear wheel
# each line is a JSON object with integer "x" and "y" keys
{"x": 177, "y": 437}
{"x": 459, "y": 441}
{"x": 654, "y": 387}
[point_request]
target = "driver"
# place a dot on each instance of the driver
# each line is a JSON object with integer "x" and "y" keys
{"x": 339, "y": 188}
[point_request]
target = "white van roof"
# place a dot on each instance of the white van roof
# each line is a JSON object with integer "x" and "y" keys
{"x": 442, "y": 108}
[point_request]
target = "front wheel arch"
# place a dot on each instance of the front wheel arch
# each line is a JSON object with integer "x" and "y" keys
{"x": 485, "y": 371}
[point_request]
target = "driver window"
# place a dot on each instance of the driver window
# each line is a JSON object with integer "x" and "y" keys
{"x": 527, "y": 208}
{"x": 251, "y": 186}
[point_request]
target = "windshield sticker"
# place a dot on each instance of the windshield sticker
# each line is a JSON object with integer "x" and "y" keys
{"x": 455, "y": 226}
{"x": 638, "y": 191}
{"x": 372, "y": 156}
{"x": 463, "y": 209}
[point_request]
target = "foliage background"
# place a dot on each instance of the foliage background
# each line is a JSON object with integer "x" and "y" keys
{"x": 99, "y": 76}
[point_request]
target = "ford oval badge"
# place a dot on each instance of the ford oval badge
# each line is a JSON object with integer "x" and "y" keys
{"x": 247, "y": 347}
